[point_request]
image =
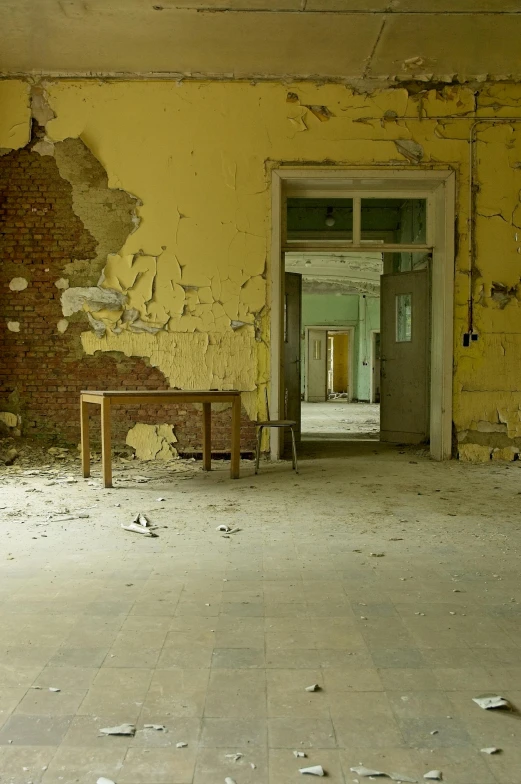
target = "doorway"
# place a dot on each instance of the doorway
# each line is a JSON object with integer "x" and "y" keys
{"x": 421, "y": 259}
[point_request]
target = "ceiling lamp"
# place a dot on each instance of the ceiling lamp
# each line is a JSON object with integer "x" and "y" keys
{"x": 330, "y": 221}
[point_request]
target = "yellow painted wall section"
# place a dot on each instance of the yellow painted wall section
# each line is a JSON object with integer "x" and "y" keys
{"x": 198, "y": 156}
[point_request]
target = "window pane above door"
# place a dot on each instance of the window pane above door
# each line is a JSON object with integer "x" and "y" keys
{"x": 396, "y": 221}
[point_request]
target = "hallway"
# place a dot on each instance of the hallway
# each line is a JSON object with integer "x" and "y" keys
{"x": 338, "y": 419}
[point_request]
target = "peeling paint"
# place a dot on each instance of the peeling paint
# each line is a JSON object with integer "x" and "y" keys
{"x": 8, "y": 419}
{"x": 44, "y": 147}
{"x": 62, "y": 326}
{"x": 94, "y": 297}
{"x": 183, "y": 227}
{"x": 153, "y": 442}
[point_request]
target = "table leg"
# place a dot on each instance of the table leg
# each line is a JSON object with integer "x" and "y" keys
{"x": 85, "y": 443}
{"x": 106, "y": 454}
{"x": 207, "y": 436}
{"x": 236, "y": 438}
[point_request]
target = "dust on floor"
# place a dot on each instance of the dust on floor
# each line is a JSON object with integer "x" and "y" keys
{"x": 389, "y": 580}
{"x": 338, "y": 419}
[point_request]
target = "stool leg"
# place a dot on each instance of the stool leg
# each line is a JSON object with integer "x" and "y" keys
{"x": 257, "y": 450}
{"x": 294, "y": 447}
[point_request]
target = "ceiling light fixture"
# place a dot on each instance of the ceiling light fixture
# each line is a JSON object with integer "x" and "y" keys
{"x": 330, "y": 221}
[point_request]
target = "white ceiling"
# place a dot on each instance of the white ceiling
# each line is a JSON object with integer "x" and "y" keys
{"x": 337, "y": 273}
{"x": 337, "y": 39}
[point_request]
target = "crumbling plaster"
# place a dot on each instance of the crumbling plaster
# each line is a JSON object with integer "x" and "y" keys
{"x": 192, "y": 276}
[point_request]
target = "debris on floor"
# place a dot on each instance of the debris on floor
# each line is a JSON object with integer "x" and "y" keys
{"x": 314, "y": 770}
{"x": 299, "y": 754}
{"x": 103, "y": 780}
{"x": 314, "y": 687}
{"x": 488, "y": 702}
{"x": 368, "y": 773}
{"x": 235, "y": 757}
{"x": 140, "y": 525}
{"x": 361, "y": 770}
{"x": 228, "y": 780}
{"x": 181, "y": 745}
{"x": 491, "y": 750}
{"x": 121, "y": 729}
{"x": 434, "y": 775}
{"x": 159, "y": 727}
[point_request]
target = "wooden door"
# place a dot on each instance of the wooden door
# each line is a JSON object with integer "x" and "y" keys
{"x": 292, "y": 330}
{"x": 404, "y": 360}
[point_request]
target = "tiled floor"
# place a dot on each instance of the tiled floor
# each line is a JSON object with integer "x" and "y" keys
{"x": 217, "y": 638}
{"x": 340, "y": 420}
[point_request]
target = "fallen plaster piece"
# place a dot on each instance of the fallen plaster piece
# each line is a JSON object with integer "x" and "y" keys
{"x": 299, "y": 754}
{"x": 314, "y": 687}
{"x": 474, "y": 453}
{"x": 491, "y": 750}
{"x": 141, "y": 519}
{"x": 18, "y": 284}
{"x": 361, "y": 770}
{"x": 62, "y": 283}
{"x": 121, "y": 729}
{"x": 235, "y": 757}
{"x": 314, "y": 770}
{"x": 488, "y": 703}
{"x": 181, "y": 745}
{"x": 224, "y": 528}
{"x": 139, "y": 529}
{"x": 508, "y": 453}
{"x": 404, "y": 779}
{"x": 62, "y": 325}
{"x": 158, "y": 727}
{"x": 53, "y": 688}
{"x": 103, "y": 780}
{"x": 95, "y": 297}
{"x": 13, "y": 326}
{"x": 228, "y": 780}
{"x": 434, "y": 775}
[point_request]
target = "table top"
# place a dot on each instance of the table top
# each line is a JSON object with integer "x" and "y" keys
{"x": 161, "y": 392}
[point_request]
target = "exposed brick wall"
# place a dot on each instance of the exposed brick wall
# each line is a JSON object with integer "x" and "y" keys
{"x": 41, "y": 370}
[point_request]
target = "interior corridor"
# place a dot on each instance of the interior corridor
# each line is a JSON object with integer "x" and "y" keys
{"x": 388, "y": 580}
{"x": 338, "y": 419}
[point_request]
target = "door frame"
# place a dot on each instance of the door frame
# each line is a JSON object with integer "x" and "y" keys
{"x": 438, "y": 187}
{"x": 374, "y": 332}
{"x": 350, "y": 367}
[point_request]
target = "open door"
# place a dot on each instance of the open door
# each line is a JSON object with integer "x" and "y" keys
{"x": 404, "y": 360}
{"x": 316, "y": 365}
{"x": 292, "y": 327}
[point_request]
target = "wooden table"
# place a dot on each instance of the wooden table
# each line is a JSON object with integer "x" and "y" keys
{"x": 106, "y": 399}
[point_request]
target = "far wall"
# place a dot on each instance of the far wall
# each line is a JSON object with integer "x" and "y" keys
{"x": 345, "y": 310}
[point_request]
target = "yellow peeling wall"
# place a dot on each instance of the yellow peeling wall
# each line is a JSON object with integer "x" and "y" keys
{"x": 198, "y": 157}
